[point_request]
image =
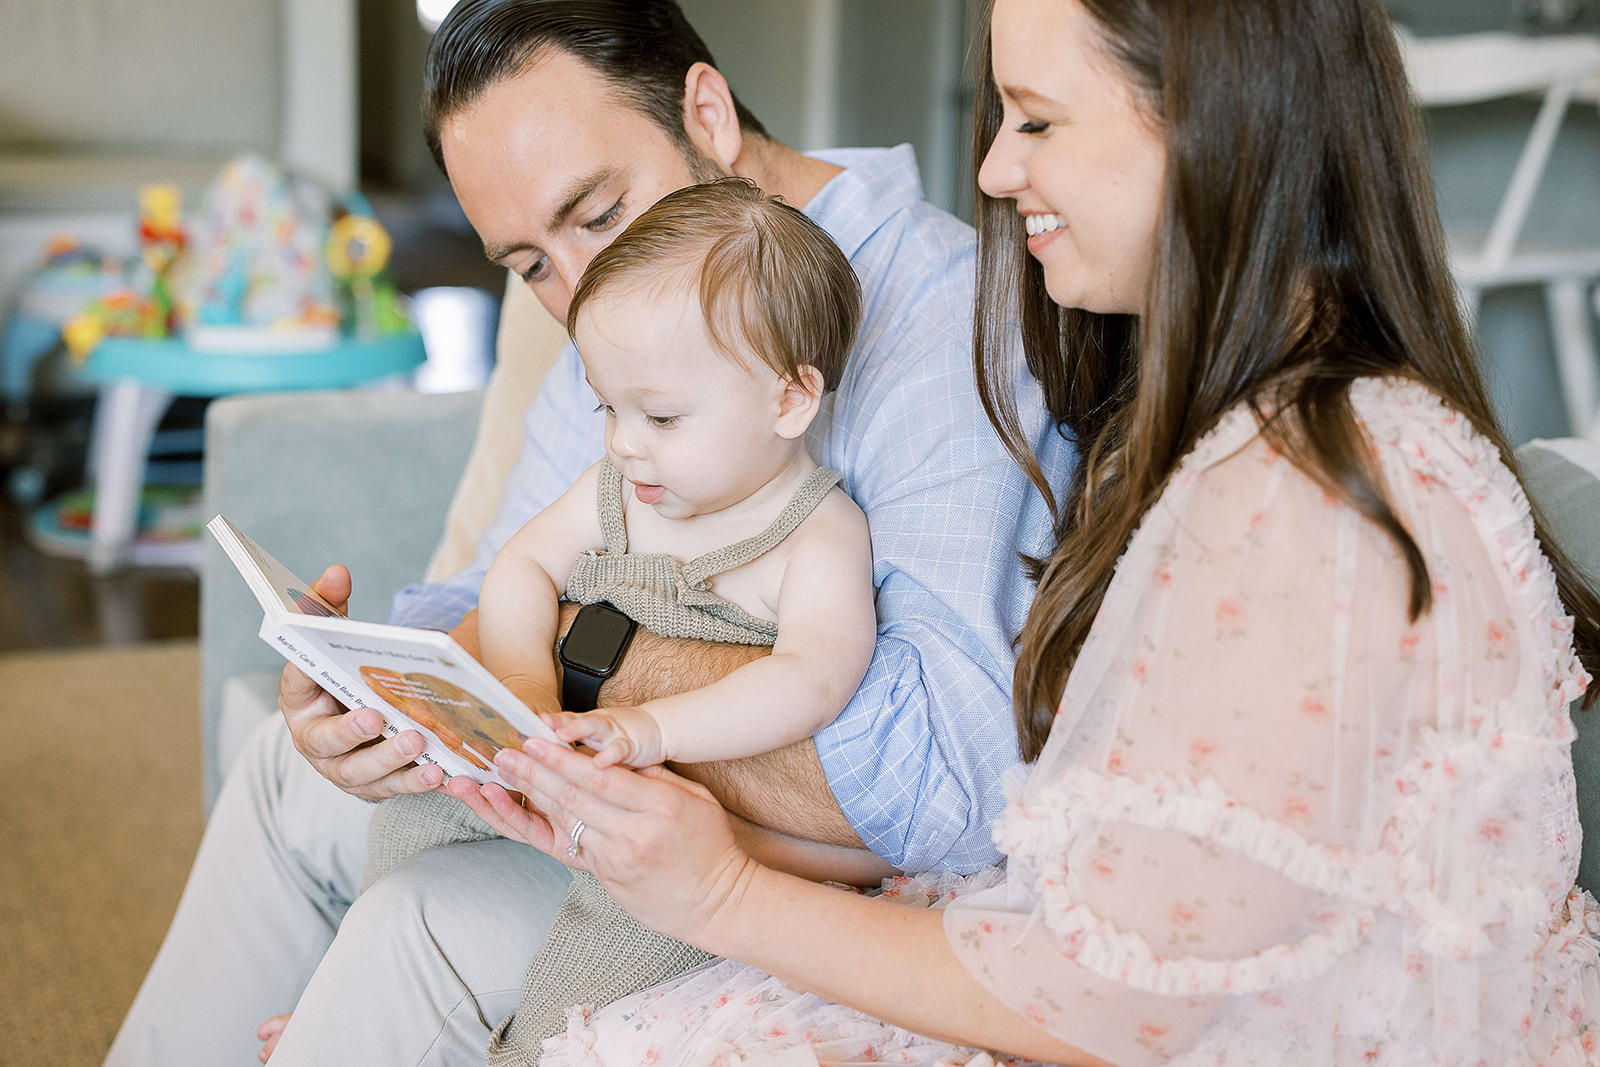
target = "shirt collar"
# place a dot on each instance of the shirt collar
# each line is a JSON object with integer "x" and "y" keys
{"x": 875, "y": 183}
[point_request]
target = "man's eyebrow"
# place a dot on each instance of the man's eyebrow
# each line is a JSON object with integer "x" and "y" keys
{"x": 576, "y": 194}
{"x": 495, "y": 253}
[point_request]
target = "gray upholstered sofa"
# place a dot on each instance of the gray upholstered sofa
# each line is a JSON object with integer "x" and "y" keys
{"x": 359, "y": 478}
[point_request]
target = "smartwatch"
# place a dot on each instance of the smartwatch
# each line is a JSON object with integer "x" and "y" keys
{"x": 591, "y": 653}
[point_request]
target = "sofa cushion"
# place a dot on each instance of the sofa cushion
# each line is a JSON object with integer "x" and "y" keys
{"x": 1563, "y": 479}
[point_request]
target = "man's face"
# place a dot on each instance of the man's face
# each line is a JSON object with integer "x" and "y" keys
{"x": 549, "y": 166}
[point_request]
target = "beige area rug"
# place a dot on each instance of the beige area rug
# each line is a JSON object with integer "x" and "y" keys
{"x": 100, "y": 817}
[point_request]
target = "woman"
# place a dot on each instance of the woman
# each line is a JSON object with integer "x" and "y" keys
{"x": 1294, "y": 688}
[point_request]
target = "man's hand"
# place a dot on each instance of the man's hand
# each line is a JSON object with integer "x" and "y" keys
{"x": 269, "y": 1033}
{"x": 344, "y": 746}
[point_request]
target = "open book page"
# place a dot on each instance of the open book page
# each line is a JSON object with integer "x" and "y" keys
{"x": 417, "y": 679}
{"x": 269, "y": 580}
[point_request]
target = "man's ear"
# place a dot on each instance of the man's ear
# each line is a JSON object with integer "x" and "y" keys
{"x": 709, "y": 117}
{"x": 799, "y": 403}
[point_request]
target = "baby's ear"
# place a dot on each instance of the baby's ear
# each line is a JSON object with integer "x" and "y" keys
{"x": 801, "y": 399}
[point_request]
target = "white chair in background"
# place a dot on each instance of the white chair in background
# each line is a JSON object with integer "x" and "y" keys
{"x": 1472, "y": 68}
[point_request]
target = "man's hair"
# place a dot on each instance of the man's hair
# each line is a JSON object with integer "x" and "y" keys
{"x": 771, "y": 282}
{"x": 642, "y": 48}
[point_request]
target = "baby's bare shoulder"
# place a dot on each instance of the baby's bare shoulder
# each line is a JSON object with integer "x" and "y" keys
{"x": 836, "y": 526}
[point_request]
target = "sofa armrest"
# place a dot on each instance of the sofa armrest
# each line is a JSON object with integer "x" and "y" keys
{"x": 1563, "y": 479}
{"x": 354, "y": 477}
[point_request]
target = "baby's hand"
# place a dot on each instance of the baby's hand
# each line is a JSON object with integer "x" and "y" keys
{"x": 628, "y": 736}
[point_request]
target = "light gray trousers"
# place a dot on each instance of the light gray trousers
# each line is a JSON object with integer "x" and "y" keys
{"x": 416, "y": 972}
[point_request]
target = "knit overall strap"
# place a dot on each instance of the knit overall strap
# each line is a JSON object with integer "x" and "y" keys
{"x": 805, "y": 500}
{"x": 608, "y": 495}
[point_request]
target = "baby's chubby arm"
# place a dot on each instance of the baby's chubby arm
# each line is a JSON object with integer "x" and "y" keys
{"x": 518, "y": 611}
{"x": 826, "y": 631}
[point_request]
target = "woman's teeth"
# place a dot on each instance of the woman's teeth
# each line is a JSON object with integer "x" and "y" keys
{"x": 1038, "y": 224}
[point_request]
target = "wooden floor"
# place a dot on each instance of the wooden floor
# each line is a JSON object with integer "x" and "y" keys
{"x": 54, "y": 603}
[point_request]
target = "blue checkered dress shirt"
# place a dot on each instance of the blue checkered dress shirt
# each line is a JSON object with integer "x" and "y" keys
{"x": 916, "y": 758}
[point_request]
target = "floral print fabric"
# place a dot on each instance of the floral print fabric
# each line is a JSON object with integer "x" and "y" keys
{"x": 725, "y": 1014}
{"x": 1277, "y": 821}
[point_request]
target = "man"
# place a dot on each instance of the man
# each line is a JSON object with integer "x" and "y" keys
{"x": 557, "y": 122}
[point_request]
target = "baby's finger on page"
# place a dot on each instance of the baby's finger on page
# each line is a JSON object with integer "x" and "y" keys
{"x": 616, "y": 751}
{"x": 570, "y": 727}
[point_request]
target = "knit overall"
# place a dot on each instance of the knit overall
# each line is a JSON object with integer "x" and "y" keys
{"x": 595, "y": 952}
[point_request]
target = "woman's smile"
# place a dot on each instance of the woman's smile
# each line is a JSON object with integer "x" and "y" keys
{"x": 1041, "y": 224}
{"x": 1042, "y": 229}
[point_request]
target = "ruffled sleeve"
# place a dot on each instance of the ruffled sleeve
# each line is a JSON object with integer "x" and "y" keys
{"x": 1275, "y": 814}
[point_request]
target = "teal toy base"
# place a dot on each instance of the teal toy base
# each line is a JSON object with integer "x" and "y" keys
{"x": 48, "y": 532}
{"x": 170, "y": 365}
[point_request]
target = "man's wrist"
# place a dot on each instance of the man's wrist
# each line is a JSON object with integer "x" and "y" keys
{"x": 784, "y": 790}
{"x": 656, "y": 667}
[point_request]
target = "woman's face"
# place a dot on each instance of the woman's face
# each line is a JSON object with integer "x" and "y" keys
{"x": 1077, "y": 153}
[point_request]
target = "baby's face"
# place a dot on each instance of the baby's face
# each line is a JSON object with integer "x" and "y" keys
{"x": 692, "y": 431}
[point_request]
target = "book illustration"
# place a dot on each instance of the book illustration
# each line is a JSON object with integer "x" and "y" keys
{"x": 462, "y": 723}
{"x": 307, "y": 602}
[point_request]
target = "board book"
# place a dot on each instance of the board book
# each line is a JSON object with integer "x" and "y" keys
{"x": 415, "y": 679}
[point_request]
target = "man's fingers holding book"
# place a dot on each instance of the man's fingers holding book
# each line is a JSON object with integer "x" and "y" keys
{"x": 379, "y": 771}
{"x": 333, "y": 585}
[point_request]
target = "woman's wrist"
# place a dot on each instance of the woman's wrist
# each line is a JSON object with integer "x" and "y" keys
{"x": 747, "y": 895}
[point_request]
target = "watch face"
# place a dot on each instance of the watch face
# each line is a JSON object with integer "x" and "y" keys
{"x": 597, "y": 638}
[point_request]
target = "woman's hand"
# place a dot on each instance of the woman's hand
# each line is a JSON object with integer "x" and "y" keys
{"x": 507, "y": 814}
{"x": 660, "y": 844}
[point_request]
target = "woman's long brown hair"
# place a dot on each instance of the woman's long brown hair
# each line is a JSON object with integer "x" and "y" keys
{"x": 1300, "y": 249}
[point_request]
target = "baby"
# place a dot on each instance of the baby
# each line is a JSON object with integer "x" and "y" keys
{"x": 709, "y": 331}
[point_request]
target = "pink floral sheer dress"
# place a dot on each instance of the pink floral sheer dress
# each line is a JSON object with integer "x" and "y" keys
{"x": 1274, "y": 822}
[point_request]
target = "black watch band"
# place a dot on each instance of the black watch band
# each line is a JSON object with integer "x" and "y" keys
{"x": 591, "y": 653}
{"x": 580, "y": 690}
